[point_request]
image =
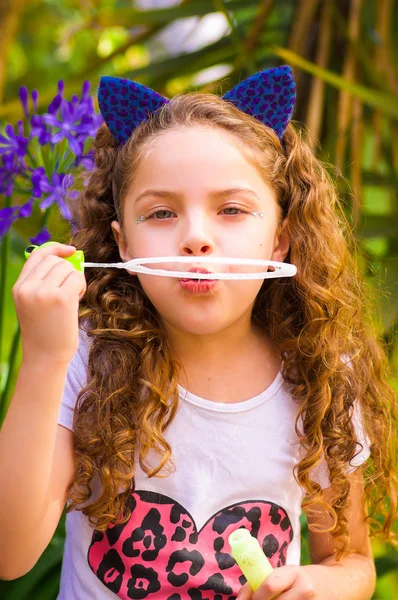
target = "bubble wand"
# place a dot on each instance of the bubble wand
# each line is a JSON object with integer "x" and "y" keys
{"x": 137, "y": 265}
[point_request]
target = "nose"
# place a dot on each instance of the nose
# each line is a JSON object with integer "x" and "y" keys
{"x": 196, "y": 238}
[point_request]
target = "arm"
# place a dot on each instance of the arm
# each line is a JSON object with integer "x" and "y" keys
{"x": 352, "y": 578}
{"x": 36, "y": 453}
{"x": 37, "y": 465}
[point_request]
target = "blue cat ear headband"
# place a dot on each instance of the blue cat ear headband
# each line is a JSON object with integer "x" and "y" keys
{"x": 268, "y": 96}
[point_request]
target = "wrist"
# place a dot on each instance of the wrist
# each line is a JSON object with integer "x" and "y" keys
{"x": 352, "y": 578}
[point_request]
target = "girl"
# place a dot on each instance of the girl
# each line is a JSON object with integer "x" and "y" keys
{"x": 184, "y": 410}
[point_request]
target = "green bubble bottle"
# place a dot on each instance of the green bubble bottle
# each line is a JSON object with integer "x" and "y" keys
{"x": 252, "y": 561}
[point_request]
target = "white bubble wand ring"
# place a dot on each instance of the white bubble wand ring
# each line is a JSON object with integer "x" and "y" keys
{"x": 137, "y": 265}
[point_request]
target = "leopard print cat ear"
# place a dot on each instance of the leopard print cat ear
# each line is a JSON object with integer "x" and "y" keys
{"x": 124, "y": 104}
{"x": 268, "y": 95}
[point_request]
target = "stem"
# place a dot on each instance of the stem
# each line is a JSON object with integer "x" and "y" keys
{"x": 11, "y": 362}
{"x": 5, "y": 251}
{"x": 22, "y": 191}
{"x": 32, "y": 158}
{"x": 249, "y": 65}
{"x": 46, "y": 216}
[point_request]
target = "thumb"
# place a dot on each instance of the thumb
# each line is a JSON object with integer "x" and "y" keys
{"x": 245, "y": 593}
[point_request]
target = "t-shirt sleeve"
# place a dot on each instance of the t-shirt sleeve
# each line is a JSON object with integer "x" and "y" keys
{"x": 321, "y": 473}
{"x": 76, "y": 379}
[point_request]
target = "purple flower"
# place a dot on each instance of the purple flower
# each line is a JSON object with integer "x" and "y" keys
{"x": 23, "y": 166}
{"x": 87, "y": 161}
{"x": 9, "y": 214}
{"x": 67, "y": 124}
{"x": 35, "y": 98}
{"x": 75, "y": 120}
{"x": 55, "y": 104}
{"x": 23, "y": 95}
{"x": 26, "y": 209}
{"x": 12, "y": 146}
{"x": 37, "y": 176}
{"x": 40, "y": 130}
{"x": 7, "y": 217}
{"x": 7, "y": 181}
{"x": 57, "y": 191}
{"x": 41, "y": 238}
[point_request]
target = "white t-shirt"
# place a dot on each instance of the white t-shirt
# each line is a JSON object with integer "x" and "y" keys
{"x": 233, "y": 468}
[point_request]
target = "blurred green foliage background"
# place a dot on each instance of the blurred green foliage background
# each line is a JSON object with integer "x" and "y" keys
{"x": 344, "y": 54}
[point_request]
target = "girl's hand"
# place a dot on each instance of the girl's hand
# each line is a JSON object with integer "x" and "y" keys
{"x": 46, "y": 296}
{"x": 284, "y": 583}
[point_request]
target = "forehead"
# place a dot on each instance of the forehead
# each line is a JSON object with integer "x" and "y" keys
{"x": 196, "y": 158}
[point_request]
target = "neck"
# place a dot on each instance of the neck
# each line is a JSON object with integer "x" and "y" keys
{"x": 217, "y": 354}
{"x": 185, "y": 345}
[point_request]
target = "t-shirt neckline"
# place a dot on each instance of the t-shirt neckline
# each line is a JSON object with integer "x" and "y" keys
{"x": 233, "y": 407}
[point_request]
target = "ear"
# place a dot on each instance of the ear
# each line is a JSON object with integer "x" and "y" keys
{"x": 282, "y": 243}
{"x": 268, "y": 95}
{"x": 119, "y": 238}
{"x": 124, "y": 104}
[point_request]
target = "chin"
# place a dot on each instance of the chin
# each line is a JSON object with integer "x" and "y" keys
{"x": 199, "y": 326}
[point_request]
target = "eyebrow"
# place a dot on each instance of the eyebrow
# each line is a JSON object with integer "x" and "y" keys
{"x": 213, "y": 193}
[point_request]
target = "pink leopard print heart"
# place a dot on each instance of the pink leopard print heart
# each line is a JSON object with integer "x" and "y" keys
{"x": 159, "y": 553}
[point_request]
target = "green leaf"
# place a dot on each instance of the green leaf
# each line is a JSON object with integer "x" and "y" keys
{"x": 386, "y": 282}
{"x": 385, "y": 180}
{"x": 128, "y": 17}
{"x": 386, "y": 103}
{"x": 49, "y": 588}
{"x": 387, "y": 564}
{"x": 378, "y": 225}
{"x": 221, "y": 51}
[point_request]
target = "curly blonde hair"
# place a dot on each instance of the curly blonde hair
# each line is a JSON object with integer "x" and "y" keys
{"x": 317, "y": 316}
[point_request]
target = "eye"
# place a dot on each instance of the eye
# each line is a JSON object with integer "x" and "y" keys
{"x": 161, "y": 215}
{"x": 234, "y": 210}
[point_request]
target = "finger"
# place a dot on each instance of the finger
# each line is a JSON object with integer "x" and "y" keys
{"x": 56, "y": 249}
{"x": 245, "y": 593}
{"x": 280, "y": 580}
{"x": 40, "y": 267}
{"x": 75, "y": 284}
{"x": 297, "y": 593}
{"x": 36, "y": 257}
{"x": 40, "y": 271}
{"x": 55, "y": 274}
{"x": 43, "y": 290}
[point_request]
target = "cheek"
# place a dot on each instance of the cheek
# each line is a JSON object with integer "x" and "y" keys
{"x": 158, "y": 289}
{"x": 149, "y": 243}
{"x": 252, "y": 244}
{"x": 243, "y": 293}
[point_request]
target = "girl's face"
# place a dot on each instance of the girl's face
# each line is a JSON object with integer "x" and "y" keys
{"x": 197, "y": 191}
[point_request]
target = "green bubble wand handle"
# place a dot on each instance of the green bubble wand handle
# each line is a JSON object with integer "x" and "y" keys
{"x": 252, "y": 561}
{"x": 76, "y": 259}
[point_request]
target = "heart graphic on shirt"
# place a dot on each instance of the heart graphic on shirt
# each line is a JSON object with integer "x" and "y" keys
{"x": 159, "y": 553}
